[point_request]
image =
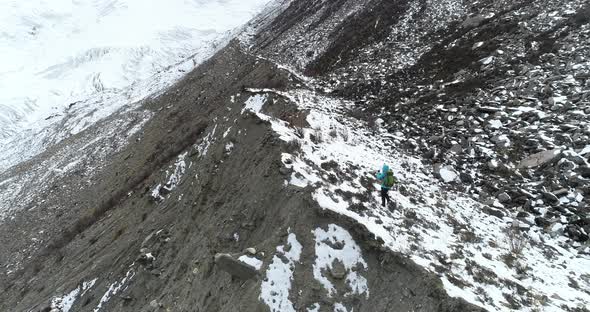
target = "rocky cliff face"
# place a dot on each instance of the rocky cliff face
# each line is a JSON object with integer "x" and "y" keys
{"x": 249, "y": 185}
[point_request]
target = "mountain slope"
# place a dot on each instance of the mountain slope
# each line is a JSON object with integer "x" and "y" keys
{"x": 203, "y": 137}
{"x": 260, "y": 163}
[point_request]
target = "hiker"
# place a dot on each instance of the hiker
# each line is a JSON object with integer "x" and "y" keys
{"x": 387, "y": 181}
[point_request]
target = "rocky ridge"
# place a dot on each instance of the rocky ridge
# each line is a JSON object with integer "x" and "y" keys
{"x": 301, "y": 152}
{"x": 494, "y": 94}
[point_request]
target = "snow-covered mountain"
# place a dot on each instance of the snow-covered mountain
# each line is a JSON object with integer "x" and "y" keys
{"x": 89, "y": 58}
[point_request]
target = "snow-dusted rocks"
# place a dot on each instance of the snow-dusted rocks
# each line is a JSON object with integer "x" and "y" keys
{"x": 338, "y": 256}
{"x": 237, "y": 267}
{"x": 432, "y": 221}
{"x": 173, "y": 177}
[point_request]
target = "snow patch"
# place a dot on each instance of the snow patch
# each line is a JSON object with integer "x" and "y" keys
{"x": 255, "y": 103}
{"x": 275, "y": 288}
{"x": 65, "y": 303}
{"x": 255, "y": 262}
{"x": 348, "y": 254}
{"x": 114, "y": 289}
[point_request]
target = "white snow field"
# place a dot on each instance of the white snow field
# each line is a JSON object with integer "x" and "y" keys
{"x": 74, "y": 62}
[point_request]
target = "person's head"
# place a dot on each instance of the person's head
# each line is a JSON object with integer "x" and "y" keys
{"x": 385, "y": 168}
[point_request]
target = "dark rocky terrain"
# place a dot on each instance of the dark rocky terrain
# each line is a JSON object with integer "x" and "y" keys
{"x": 478, "y": 86}
{"x": 463, "y": 92}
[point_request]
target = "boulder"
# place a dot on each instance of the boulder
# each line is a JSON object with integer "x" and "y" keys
{"x": 285, "y": 170}
{"x": 501, "y": 140}
{"x": 540, "y": 159}
{"x": 584, "y": 171}
{"x": 575, "y": 233}
{"x": 235, "y": 267}
{"x": 338, "y": 271}
{"x": 504, "y": 197}
{"x": 466, "y": 177}
{"x": 429, "y": 154}
{"x": 456, "y": 149}
{"x": 493, "y": 212}
{"x": 550, "y": 197}
{"x": 473, "y": 21}
{"x": 542, "y": 222}
{"x": 445, "y": 173}
{"x": 493, "y": 164}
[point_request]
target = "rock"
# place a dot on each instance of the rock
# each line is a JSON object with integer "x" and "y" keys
{"x": 493, "y": 212}
{"x": 555, "y": 229}
{"x": 285, "y": 171}
{"x": 504, "y": 197}
{"x": 493, "y": 164}
{"x": 465, "y": 177}
{"x": 540, "y": 159}
{"x": 528, "y": 204}
{"x": 566, "y": 165}
{"x": 523, "y": 226}
{"x": 555, "y": 100}
{"x": 574, "y": 232}
{"x": 166, "y": 189}
{"x": 146, "y": 260}
{"x": 429, "y": 154}
{"x": 154, "y": 304}
{"x": 501, "y": 140}
{"x": 235, "y": 267}
{"x": 584, "y": 171}
{"x": 542, "y": 222}
{"x": 580, "y": 221}
{"x": 522, "y": 215}
{"x": 550, "y": 197}
{"x": 473, "y": 21}
{"x": 251, "y": 251}
{"x": 146, "y": 242}
{"x": 576, "y": 180}
{"x": 456, "y": 149}
{"x": 338, "y": 271}
{"x": 155, "y": 272}
{"x": 445, "y": 173}
{"x": 495, "y": 124}
{"x": 521, "y": 200}
{"x": 477, "y": 45}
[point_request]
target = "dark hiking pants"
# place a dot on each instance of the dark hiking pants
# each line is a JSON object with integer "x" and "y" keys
{"x": 385, "y": 197}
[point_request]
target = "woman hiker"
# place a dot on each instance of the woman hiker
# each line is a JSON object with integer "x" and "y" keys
{"x": 387, "y": 181}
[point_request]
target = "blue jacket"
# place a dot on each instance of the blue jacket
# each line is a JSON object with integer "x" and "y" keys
{"x": 381, "y": 176}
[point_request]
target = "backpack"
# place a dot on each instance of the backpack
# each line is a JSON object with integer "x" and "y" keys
{"x": 389, "y": 179}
